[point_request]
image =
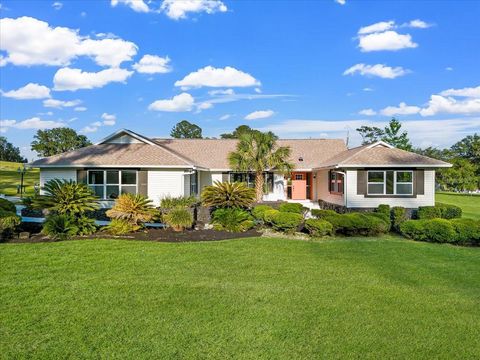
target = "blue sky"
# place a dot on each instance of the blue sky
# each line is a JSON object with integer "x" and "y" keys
{"x": 301, "y": 69}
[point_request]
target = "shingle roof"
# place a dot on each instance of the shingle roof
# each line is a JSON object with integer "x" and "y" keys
{"x": 377, "y": 155}
{"x": 213, "y": 153}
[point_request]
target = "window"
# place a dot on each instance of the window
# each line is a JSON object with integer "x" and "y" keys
{"x": 336, "y": 182}
{"x": 194, "y": 183}
{"x": 390, "y": 182}
{"x": 108, "y": 184}
{"x": 249, "y": 179}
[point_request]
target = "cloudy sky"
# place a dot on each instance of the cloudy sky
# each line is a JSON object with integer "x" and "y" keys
{"x": 298, "y": 68}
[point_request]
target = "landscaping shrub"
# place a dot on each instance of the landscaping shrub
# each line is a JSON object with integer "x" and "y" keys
{"x": 85, "y": 225}
{"x": 227, "y": 194}
{"x": 321, "y": 214}
{"x": 258, "y": 211}
{"x": 232, "y": 219}
{"x": 287, "y": 221}
{"x": 413, "y": 229}
{"x": 120, "y": 227}
{"x": 450, "y": 211}
{"x": 291, "y": 208}
{"x": 318, "y": 227}
{"x": 383, "y": 209}
{"x": 135, "y": 209}
{"x": 178, "y": 218}
{"x": 358, "y": 224}
{"x": 467, "y": 231}
{"x": 59, "y": 226}
{"x": 432, "y": 230}
{"x": 268, "y": 215}
{"x": 66, "y": 197}
{"x": 8, "y": 223}
{"x": 398, "y": 216}
{"x": 384, "y": 217}
{"x": 170, "y": 202}
{"x": 7, "y": 205}
{"x": 439, "y": 211}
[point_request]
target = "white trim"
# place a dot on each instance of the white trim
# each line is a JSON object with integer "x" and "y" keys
{"x": 128, "y": 132}
{"x": 346, "y": 166}
{"x": 384, "y": 182}
{"x": 118, "y": 166}
{"x": 377, "y": 143}
{"x": 119, "y": 184}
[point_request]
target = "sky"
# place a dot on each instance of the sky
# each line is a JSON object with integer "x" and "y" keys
{"x": 302, "y": 69}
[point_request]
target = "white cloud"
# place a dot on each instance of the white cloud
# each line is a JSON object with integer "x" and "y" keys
{"x": 419, "y": 24}
{"x": 58, "y": 104}
{"x": 225, "y": 117}
{"x": 29, "y": 91}
{"x": 401, "y": 109}
{"x": 221, "y": 92}
{"x": 341, "y": 2}
{"x": 473, "y": 92}
{"x": 367, "y": 112}
{"x": 388, "y": 40}
{"x": 377, "y": 27}
{"x": 176, "y": 10}
{"x": 57, "y": 5}
{"x": 80, "y": 108}
{"x": 179, "y": 103}
{"x": 29, "y": 41}
{"x": 152, "y": 64}
{"x": 32, "y": 123}
{"x": 449, "y": 68}
{"x": 379, "y": 70}
{"x": 440, "y": 104}
{"x": 217, "y": 77}
{"x": 260, "y": 114}
{"x": 135, "y": 5}
{"x": 367, "y": 89}
{"x": 75, "y": 79}
{"x": 89, "y": 129}
{"x": 108, "y": 119}
{"x": 204, "y": 106}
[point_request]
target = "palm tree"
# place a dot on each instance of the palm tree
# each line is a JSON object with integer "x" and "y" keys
{"x": 258, "y": 152}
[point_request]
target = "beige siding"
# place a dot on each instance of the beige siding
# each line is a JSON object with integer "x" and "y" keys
{"x": 207, "y": 178}
{"x": 164, "y": 182}
{"x": 360, "y": 201}
{"x": 186, "y": 185}
{"x": 50, "y": 174}
{"x": 322, "y": 189}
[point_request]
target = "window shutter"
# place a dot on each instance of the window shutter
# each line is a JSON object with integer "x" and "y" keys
{"x": 82, "y": 176}
{"x": 419, "y": 182}
{"x": 361, "y": 182}
{"x": 142, "y": 182}
{"x": 330, "y": 181}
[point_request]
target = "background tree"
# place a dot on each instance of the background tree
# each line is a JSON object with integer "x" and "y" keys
{"x": 238, "y": 132}
{"x": 8, "y": 152}
{"x": 58, "y": 140}
{"x": 186, "y": 130}
{"x": 370, "y": 134}
{"x": 460, "y": 177}
{"x": 468, "y": 148}
{"x": 390, "y": 134}
{"x": 258, "y": 152}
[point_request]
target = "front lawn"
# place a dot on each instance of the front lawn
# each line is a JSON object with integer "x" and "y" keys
{"x": 250, "y": 298}
{"x": 470, "y": 204}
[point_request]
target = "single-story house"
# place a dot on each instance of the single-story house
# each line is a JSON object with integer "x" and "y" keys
{"x": 325, "y": 171}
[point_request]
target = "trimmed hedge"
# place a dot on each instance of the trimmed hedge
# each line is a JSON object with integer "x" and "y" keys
{"x": 318, "y": 227}
{"x": 384, "y": 209}
{"x": 287, "y": 221}
{"x": 321, "y": 214}
{"x": 352, "y": 224}
{"x": 291, "y": 208}
{"x": 468, "y": 231}
{"x": 268, "y": 215}
{"x": 439, "y": 211}
{"x": 258, "y": 211}
{"x": 398, "y": 216}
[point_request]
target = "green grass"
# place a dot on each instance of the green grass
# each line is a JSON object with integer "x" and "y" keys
{"x": 10, "y": 178}
{"x": 470, "y": 204}
{"x": 250, "y": 299}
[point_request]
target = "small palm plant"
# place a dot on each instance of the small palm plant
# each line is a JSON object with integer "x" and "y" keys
{"x": 178, "y": 218}
{"x": 227, "y": 194}
{"x": 258, "y": 152}
{"x": 59, "y": 227}
{"x": 134, "y": 209}
{"x": 66, "y": 197}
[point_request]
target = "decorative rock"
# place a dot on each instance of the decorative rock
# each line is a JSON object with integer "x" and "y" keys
{"x": 24, "y": 235}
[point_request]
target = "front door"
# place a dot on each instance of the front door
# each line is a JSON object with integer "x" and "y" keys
{"x": 299, "y": 186}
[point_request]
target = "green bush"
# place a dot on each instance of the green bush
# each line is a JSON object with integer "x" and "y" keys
{"x": 120, "y": 227}
{"x": 352, "y": 224}
{"x": 291, "y": 208}
{"x": 439, "y": 211}
{"x": 7, "y": 205}
{"x": 178, "y": 218}
{"x": 450, "y": 211}
{"x": 467, "y": 231}
{"x": 383, "y": 209}
{"x": 268, "y": 216}
{"x": 8, "y": 222}
{"x": 59, "y": 226}
{"x": 286, "y": 221}
{"x": 170, "y": 202}
{"x": 258, "y": 211}
{"x": 318, "y": 227}
{"x": 399, "y": 216}
{"x": 432, "y": 230}
{"x": 136, "y": 209}
{"x": 232, "y": 219}
{"x": 85, "y": 225}
{"x": 413, "y": 229}
{"x": 227, "y": 194}
{"x": 382, "y": 216}
{"x": 321, "y": 214}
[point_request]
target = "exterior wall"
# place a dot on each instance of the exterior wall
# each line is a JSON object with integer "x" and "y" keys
{"x": 321, "y": 189}
{"x": 57, "y": 173}
{"x": 165, "y": 182}
{"x": 207, "y": 178}
{"x": 278, "y": 193}
{"x": 360, "y": 201}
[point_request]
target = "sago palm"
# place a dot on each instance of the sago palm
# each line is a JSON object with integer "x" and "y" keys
{"x": 258, "y": 152}
{"x": 66, "y": 197}
{"x": 135, "y": 209}
{"x": 228, "y": 195}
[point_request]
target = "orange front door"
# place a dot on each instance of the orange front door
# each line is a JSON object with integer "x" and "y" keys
{"x": 299, "y": 186}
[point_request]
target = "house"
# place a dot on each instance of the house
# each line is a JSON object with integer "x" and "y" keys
{"x": 325, "y": 173}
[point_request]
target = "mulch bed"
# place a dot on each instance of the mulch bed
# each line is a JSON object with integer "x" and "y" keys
{"x": 158, "y": 235}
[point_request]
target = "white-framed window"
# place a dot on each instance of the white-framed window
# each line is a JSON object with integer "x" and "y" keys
{"x": 390, "y": 182}
{"x": 108, "y": 184}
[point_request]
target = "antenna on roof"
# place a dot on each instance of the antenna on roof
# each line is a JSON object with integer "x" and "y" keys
{"x": 348, "y": 136}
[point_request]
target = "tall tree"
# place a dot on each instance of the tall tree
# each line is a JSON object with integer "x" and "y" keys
{"x": 258, "y": 152}
{"x": 468, "y": 148}
{"x": 8, "y": 152}
{"x": 370, "y": 134}
{"x": 394, "y": 137}
{"x": 238, "y": 132}
{"x": 58, "y": 140}
{"x": 186, "y": 130}
{"x": 460, "y": 177}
